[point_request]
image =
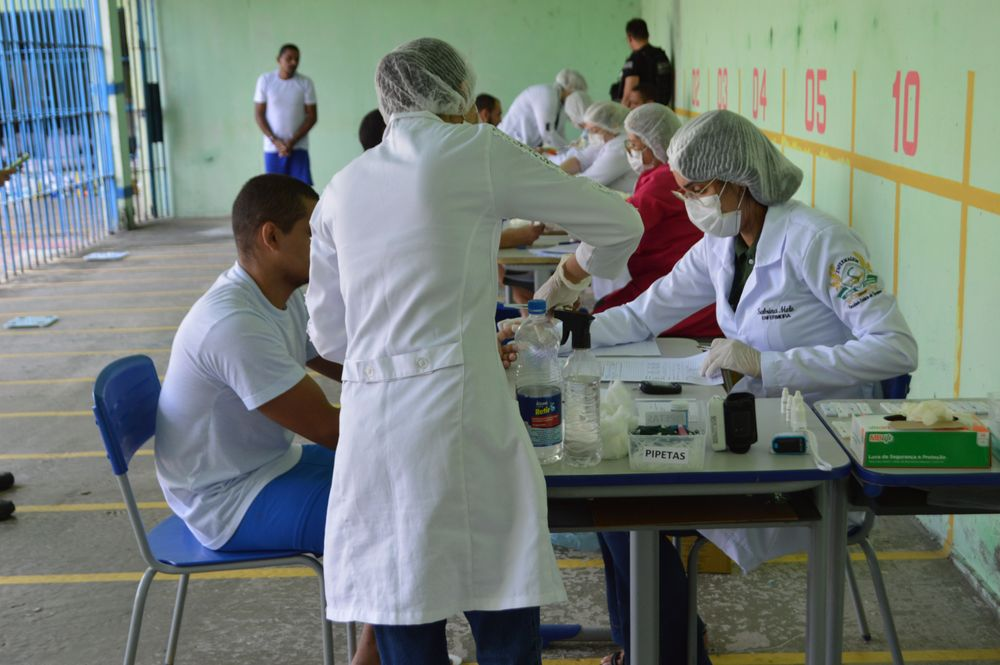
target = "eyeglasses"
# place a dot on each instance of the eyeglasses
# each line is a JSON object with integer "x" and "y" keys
{"x": 690, "y": 192}
{"x": 632, "y": 146}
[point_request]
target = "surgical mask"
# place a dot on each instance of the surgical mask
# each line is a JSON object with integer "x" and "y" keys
{"x": 595, "y": 140}
{"x": 635, "y": 161}
{"x": 706, "y": 213}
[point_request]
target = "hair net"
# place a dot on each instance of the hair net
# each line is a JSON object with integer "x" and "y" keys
{"x": 576, "y": 105}
{"x": 572, "y": 80}
{"x": 727, "y": 146}
{"x": 609, "y": 116}
{"x": 424, "y": 75}
{"x": 655, "y": 124}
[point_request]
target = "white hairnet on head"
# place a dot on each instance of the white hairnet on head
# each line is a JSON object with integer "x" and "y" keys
{"x": 572, "y": 80}
{"x": 576, "y": 105}
{"x": 655, "y": 124}
{"x": 725, "y": 145}
{"x": 425, "y": 75}
{"x": 609, "y": 116}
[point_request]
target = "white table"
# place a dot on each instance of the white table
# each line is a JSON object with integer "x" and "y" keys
{"x": 727, "y": 475}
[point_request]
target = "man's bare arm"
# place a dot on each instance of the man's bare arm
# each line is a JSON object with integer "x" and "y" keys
{"x": 305, "y": 410}
{"x": 327, "y": 368}
{"x": 307, "y": 124}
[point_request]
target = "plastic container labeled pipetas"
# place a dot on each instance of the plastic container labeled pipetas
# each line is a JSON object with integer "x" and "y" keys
{"x": 653, "y": 446}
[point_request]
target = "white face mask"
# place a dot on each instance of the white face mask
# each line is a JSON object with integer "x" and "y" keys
{"x": 706, "y": 213}
{"x": 635, "y": 161}
{"x": 595, "y": 140}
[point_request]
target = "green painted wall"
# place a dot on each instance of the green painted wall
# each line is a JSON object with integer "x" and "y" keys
{"x": 931, "y": 218}
{"x": 212, "y": 53}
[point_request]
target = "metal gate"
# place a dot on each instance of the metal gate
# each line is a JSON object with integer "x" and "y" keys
{"x": 54, "y": 108}
{"x": 141, "y": 72}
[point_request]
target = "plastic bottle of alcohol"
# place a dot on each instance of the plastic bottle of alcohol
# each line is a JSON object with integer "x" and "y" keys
{"x": 538, "y": 382}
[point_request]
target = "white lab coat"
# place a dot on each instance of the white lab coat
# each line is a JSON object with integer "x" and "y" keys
{"x": 438, "y": 501}
{"x": 609, "y": 166}
{"x": 813, "y": 307}
{"x": 536, "y": 117}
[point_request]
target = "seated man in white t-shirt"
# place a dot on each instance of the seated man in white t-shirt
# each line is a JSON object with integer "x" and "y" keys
{"x": 236, "y": 392}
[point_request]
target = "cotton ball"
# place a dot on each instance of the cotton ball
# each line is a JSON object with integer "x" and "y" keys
{"x": 618, "y": 417}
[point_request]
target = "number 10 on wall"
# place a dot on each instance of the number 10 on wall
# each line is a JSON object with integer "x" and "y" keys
{"x": 911, "y": 86}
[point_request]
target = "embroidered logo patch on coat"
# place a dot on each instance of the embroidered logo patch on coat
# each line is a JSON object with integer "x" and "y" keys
{"x": 853, "y": 280}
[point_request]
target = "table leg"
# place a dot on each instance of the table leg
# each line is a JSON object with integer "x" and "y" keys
{"x": 816, "y": 579}
{"x": 644, "y": 597}
{"x": 836, "y": 506}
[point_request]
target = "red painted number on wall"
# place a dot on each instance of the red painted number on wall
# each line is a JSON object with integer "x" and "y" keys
{"x": 759, "y": 93}
{"x": 722, "y": 80}
{"x": 695, "y": 87}
{"x": 911, "y": 88}
{"x": 815, "y": 101}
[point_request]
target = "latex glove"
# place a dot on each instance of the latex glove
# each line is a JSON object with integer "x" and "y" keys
{"x": 731, "y": 354}
{"x": 558, "y": 291}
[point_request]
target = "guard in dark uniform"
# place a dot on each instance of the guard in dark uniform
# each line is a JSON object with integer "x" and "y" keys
{"x": 647, "y": 64}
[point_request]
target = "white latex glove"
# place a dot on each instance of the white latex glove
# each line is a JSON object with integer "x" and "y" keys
{"x": 559, "y": 291}
{"x": 731, "y": 354}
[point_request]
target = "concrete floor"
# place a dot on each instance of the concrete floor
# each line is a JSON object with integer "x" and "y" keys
{"x": 68, "y": 562}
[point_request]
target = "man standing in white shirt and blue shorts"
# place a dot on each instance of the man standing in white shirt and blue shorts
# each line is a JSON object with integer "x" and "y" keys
{"x": 285, "y": 111}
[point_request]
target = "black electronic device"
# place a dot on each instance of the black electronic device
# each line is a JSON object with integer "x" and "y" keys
{"x": 656, "y": 388}
{"x": 740, "y": 416}
{"x": 789, "y": 443}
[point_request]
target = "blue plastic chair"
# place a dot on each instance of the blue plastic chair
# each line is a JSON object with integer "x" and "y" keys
{"x": 125, "y": 397}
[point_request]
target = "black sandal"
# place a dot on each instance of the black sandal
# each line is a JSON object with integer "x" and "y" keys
{"x": 618, "y": 658}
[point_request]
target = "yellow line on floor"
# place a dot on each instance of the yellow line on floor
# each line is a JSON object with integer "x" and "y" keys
{"x": 108, "y": 352}
{"x": 106, "y": 296}
{"x": 107, "y": 310}
{"x": 848, "y": 657}
{"x": 88, "y": 507}
{"x": 43, "y": 382}
{"x": 77, "y": 455}
{"x": 920, "y": 555}
{"x": 44, "y": 414}
{"x": 111, "y": 282}
{"x": 252, "y": 574}
{"x": 134, "y": 268}
{"x": 88, "y": 331}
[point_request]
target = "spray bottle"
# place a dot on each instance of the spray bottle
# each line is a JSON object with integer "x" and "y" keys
{"x": 581, "y": 393}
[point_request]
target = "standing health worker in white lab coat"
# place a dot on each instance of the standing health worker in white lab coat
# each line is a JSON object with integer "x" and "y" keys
{"x": 438, "y": 503}
{"x": 796, "y": 295}
{"x": 536, "y": 117}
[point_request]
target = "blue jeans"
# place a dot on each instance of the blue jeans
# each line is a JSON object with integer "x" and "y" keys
{"x": 506, "y": 637}
{"x": 295, "y": 165}
{"x": 673, "y": 598}
{"x": 290, "y": 512}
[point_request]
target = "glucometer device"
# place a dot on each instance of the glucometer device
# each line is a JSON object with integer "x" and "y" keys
{"x": 656, "y": 388}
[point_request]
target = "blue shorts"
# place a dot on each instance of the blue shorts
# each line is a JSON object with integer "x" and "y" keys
{"x": 295, "y": 165}
{"x": 290, "y": 512}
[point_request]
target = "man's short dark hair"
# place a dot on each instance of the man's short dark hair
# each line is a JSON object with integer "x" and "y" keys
{"x": 636, "y": 28}
{"x": 371, "y": 130}
{"x": 287, "y": 47}
{"x": 271, "y": 197}
{"x": 646, "y": 90}
{"x": 486, "y": 102}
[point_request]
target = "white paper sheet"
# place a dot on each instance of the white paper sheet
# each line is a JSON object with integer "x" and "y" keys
{"x": 555, "y": 250}
{"x": 680, "y": 370}
{"x": 647, "y": 349}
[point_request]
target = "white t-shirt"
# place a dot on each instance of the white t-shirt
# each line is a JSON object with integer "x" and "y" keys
{"x": 233, "y": 352}
{"x": 286, "y": 100}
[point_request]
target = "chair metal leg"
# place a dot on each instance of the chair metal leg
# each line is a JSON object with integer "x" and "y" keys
{"x": 175, "y": 621}
{"x": 327, "y": 626}
{"x": 352, "y": 640}
{"x": 692, "y": 573}
{"x": 135, "y": 624}
{"x": 883, "y": 603}
{"x": 859, "y": 608}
